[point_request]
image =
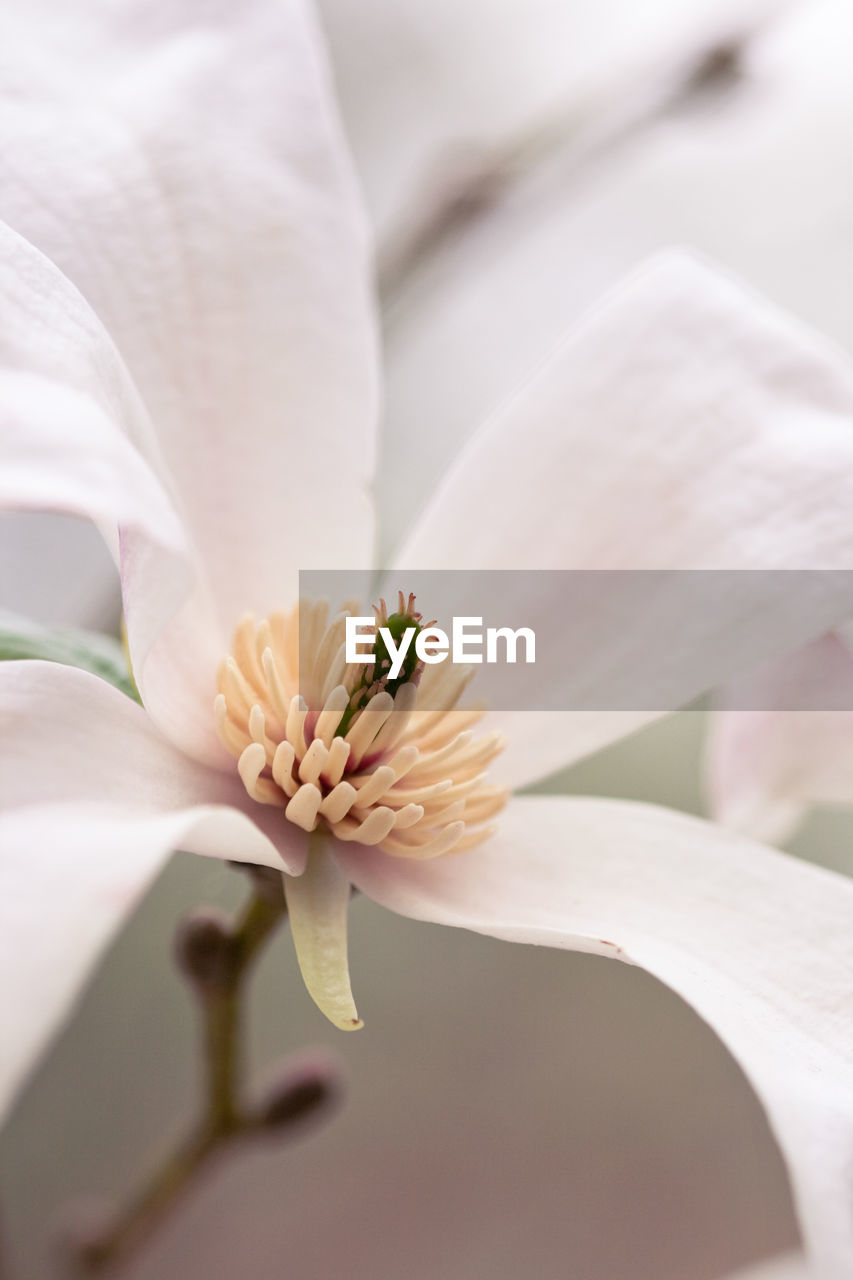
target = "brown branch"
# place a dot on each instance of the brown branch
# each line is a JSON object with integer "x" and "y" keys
{"x": 469, "y": 181}
{"x": 216, "y": 956}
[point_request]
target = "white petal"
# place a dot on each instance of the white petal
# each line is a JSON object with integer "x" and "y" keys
{"x": 188, "y": 173}
{"x": 74, "y": 430}
{"x": 751, "y": 172}
{"x": 92, "y": 802}
{"x": 767, "y": 765}
{"x": 68, "y": 738}
{"x": 69, "y": 874}
{"x": 176, "y": 643}
{"x": 758, "y": 943}
{"x": 76, "y": 438}
{"x": 684, "y": 425}
{"x": 317, "y": 906}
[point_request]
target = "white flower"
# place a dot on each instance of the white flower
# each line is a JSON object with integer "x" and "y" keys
{"x": 184, "y": 189}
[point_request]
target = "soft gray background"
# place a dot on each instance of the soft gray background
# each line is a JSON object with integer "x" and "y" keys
{"x": 511, "y": 1112}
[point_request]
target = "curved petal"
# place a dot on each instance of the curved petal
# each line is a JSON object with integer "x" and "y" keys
{"x": 76, "y": 438}
{"x": 74, "y": 431}
{"x": 187, "y": 171}
{"x": 765, "y": 765}
{"x": 176, "y": 643}
{"x": 70, "y": 739}
{"x": 758, "y": 943}
{"x": 69, "y": 874}
{"x": 92, "y": 802}
{"x": 185, "y": 167}
{"x": 684, "y": 425}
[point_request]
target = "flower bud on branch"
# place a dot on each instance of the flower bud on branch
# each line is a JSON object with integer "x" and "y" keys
{"x": 305, "y": 1087}
{"x": 204, "y": 949}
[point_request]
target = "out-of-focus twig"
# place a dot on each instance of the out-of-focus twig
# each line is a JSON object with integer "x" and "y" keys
{"x": 469, "y": 181}
{"x": 216, "y": 957}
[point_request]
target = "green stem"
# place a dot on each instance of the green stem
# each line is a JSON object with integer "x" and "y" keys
{"x": 263, "y": 914}
{"x": 101, "y": 1253}
{"x": 221, "y": 1026}
{"x": 223, "y": 1119}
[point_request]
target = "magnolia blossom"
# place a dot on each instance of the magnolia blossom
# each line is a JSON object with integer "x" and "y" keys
{"x": 188, "y": 356}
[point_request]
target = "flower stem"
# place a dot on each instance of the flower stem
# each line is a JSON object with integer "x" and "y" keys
{"x": 216, "y": 957}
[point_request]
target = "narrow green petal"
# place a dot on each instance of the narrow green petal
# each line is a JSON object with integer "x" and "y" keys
{"x": 317, "y": 902}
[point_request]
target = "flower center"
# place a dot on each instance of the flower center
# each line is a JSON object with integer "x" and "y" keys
{"x": 345, "y": 746}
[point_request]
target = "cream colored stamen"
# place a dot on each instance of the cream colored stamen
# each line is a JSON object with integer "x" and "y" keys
{"x": 410, "y": 782}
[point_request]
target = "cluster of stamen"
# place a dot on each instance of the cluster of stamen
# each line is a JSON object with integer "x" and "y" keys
{"x": 341, "y": 745}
